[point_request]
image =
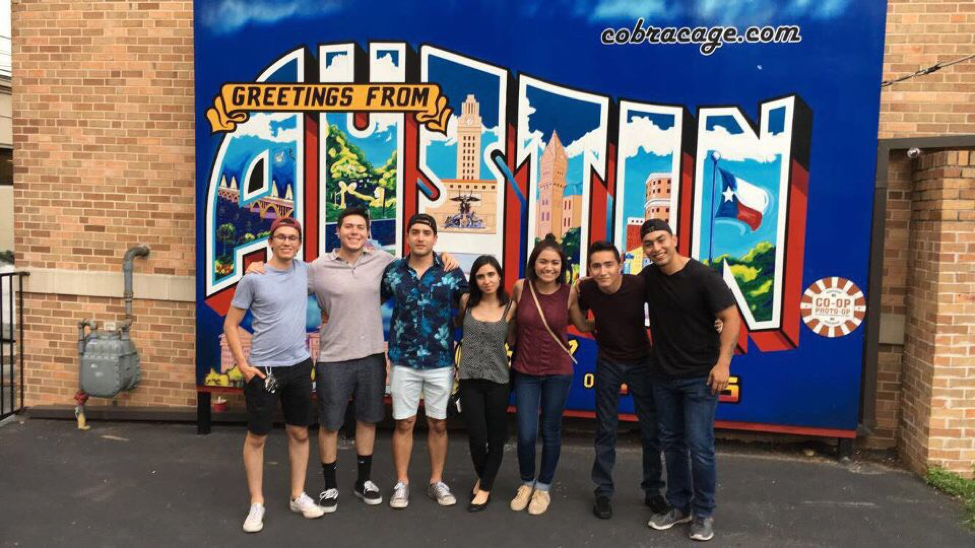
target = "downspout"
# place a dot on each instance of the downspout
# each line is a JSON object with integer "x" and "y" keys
{"x": 127, "y": 266}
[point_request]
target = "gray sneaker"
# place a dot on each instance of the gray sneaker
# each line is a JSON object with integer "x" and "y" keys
{"x": 401, "y": 496}
{"x": 702, "y": 528}
{"x": 668, "y": 519}
{"x": 441, "y": 493}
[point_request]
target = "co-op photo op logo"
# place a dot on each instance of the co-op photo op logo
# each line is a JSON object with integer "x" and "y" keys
{"x": 709, "y": 39}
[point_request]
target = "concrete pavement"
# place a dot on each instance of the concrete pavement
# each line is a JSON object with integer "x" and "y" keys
{"x": 123, "y": 484}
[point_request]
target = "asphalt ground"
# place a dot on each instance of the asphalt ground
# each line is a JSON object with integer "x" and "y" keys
{"x": 145, "y": 484}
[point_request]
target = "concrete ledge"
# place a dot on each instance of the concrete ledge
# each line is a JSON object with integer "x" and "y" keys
{"x": 156, "y": 287}
{"x": 131, "y": 413}
{"x": 185, "y": 414}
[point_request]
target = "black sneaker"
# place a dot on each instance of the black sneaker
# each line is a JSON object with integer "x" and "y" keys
{"x": 668, "y": 519}
{"x": 602, "y": 507}
{"x": 656, "y": 502}
{"x": 369, "y": 493}
{"x": 329, "y": 500}
{"x": 702, "y": 528}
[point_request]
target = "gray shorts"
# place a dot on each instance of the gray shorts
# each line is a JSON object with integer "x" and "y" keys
{"x": 362, "y": 379}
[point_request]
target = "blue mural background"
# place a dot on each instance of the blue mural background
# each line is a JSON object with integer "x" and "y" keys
{"x": 836, "y": 70}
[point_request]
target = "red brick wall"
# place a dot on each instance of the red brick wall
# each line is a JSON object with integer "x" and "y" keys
{"x": 919, "y": 34}
{"x": 938, "y": 426}
{"x": 103, "y": 133}
{"x": 163, "y": 334}
{"x": 893, "y": 300}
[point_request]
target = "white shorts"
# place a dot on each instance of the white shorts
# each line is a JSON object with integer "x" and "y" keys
{"x": 407, "y": 384}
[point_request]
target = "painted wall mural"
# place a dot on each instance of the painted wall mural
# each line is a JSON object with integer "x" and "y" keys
{"x": 749, "y": 126}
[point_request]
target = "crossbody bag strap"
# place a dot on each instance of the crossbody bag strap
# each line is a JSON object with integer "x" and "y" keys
{"x": 541, "y": 314}
{"x": 507, "y": 307}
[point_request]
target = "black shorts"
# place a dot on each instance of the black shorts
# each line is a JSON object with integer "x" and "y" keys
{"x": 362, "y": 379}
{"x": 294, "y": 390}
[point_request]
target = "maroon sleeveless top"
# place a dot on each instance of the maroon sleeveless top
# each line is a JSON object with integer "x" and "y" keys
{"x": 537, "y": 352}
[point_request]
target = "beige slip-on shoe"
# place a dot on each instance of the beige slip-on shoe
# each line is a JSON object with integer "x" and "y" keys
{"x": 520, "y": 502}
{"x": 539, "y": 503}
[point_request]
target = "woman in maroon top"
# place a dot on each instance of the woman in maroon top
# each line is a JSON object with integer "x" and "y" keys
{"x": 542, "y": 367}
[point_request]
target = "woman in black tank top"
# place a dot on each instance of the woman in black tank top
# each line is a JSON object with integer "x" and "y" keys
{"x": 485, "y": 314}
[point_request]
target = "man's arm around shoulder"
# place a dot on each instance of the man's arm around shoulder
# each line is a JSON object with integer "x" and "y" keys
{"x": 385, "y": 286}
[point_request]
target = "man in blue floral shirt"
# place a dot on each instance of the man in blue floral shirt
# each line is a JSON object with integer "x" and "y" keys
{"x": 421, "y": 352}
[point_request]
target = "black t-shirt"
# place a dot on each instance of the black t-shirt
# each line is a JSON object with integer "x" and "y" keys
{"x": 620, "y": 321}
{"x": 682, "y": 310}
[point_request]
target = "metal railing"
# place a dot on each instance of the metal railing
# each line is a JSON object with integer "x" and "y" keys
{"x": 11, "y": 343}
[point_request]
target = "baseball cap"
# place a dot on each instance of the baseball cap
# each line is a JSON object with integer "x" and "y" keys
{"x": 653, "y": 225}
{"x": 423, "y": 219}
{"x": 285, "y": 221}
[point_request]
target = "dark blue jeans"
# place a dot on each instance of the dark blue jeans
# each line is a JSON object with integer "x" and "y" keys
{"x": 548, "y": 393}
{"x": 685, "y": 410}
{"x": 610, "y": 375}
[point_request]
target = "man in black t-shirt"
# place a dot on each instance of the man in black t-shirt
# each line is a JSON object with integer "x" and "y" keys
{"x": 617, "y": 302}
{"x": 691, "y": 366}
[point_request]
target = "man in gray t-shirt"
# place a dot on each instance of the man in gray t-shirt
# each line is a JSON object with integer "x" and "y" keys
{"x": 278, "y": 307}
{"x": 278, "y": 366}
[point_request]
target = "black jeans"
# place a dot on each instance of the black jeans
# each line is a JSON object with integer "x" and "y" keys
{"x": 484, "y": 405}
{"x": 609, "y": 377}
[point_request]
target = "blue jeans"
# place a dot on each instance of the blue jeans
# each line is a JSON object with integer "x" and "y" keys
{"x": 610, "y": 375}
{"x": 548, "y": 392}
{"x": 685, "y": 411}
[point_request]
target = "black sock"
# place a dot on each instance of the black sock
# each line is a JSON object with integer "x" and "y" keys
{"x": 328, "y": 472}
{"x": 364, "y": 463}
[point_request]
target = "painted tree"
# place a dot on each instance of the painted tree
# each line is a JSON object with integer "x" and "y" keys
{"x": 226, "y": 234}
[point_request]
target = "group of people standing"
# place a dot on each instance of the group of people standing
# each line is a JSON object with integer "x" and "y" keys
{"x": 674, "y": 382}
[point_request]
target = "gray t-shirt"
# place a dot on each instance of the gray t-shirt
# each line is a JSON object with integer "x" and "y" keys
{"x": 349, "y": 296}
{"x": 278, "y": 301}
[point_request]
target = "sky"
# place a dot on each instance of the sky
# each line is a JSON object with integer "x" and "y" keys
{"x": 228, "y": 16}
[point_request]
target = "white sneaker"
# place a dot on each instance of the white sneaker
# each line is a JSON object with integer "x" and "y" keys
{"x": 401, "y": 496}
{"x": 255, "y": 518}
{"x": 306, "y": 507}
{"x": 441, "y": 493}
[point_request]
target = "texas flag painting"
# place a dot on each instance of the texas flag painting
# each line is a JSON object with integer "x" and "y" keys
{"x": 741, "y": 200}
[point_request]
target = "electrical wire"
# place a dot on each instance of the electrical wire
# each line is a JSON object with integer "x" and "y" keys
{"x": 924, "y": 71}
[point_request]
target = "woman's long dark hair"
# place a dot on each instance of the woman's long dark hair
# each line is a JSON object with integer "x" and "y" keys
{"x": 475, "y": 292}
{"x": 549, "y": 242}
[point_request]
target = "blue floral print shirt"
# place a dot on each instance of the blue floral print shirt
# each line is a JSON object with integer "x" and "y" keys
{"x": 420, "y": 333}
